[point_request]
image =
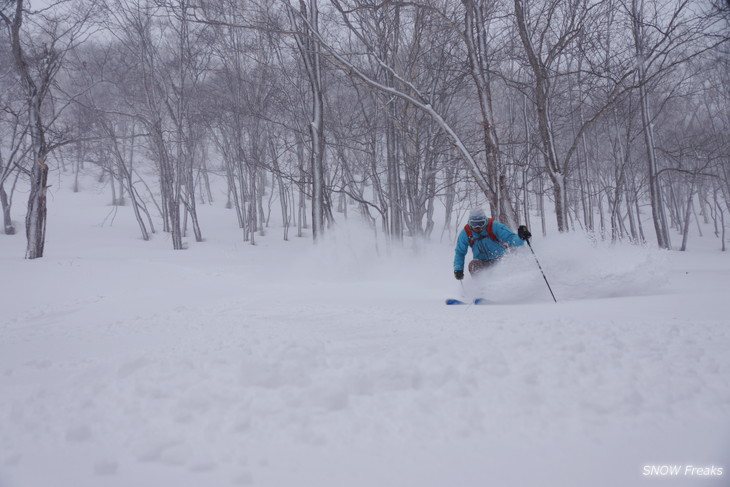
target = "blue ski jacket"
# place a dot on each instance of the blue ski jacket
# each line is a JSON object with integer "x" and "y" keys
{"x": 486, "y": 248}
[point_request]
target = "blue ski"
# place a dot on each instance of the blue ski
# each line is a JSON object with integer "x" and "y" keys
{"x": 458, "y": 301}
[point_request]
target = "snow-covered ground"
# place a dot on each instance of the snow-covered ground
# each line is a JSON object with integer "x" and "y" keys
{"x": 124, "y": 363}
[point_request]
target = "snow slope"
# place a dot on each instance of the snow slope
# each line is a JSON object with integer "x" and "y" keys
{"x": 124, "y": 363}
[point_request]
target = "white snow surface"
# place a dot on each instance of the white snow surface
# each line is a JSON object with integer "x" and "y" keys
{"x": 125, "y": 363}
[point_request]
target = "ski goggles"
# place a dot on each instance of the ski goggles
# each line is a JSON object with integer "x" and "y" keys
{"x": 477, "y": 223}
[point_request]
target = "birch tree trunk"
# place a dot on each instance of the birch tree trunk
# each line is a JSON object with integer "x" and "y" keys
{"x": 666, "y": 35}
{"x": 544, "y": 117}
{"x": 36, "y": 91}
{"x": 476, "y": 22}
{"x": 655, "y": 190}
{"x": 687, "y": 214}
{"x": 307, "y": 39}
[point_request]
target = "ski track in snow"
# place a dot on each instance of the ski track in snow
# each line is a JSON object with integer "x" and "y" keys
{"x": 284, "y": 365}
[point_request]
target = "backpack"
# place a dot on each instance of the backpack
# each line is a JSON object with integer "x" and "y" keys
{"x": 490, "y": 233}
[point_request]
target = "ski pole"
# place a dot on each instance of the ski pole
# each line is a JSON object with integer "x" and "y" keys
{"x": 463, "y": 294}
{"x": 540, "y": 267}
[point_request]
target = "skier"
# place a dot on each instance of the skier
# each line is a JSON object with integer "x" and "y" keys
{"x": 489, "y": 241}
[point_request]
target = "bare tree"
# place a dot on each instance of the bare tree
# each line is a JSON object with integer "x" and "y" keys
{"x": 665, "y": 37}
{"x": 477, "y": 20}
{"x": 549, "y": 32}
{"x": 38, "y": 58}
{"x": 305, "y": 25}
{"x": 404, "y": 89}
{"x": 13, "y": 131}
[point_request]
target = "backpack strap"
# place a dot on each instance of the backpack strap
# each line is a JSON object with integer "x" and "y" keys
{"x": 490, "y": 232}
{"x": 470, "y": 235}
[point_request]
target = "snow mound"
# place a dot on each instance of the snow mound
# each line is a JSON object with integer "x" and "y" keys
{"x": 578, "y": 267}
{"x": 353, "y": 251}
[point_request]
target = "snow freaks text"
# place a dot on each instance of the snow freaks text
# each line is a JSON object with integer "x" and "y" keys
{"x": 681, "y": 471}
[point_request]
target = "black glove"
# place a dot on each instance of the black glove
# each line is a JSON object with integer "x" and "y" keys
{"x": 523, "y": 232}
{"x": 459, "y": 274}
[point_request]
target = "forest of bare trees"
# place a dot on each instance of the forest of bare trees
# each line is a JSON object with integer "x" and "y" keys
{"x": 610, "y": 116}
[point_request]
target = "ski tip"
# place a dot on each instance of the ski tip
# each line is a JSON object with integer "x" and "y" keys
{"x": 474, "y": 301}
